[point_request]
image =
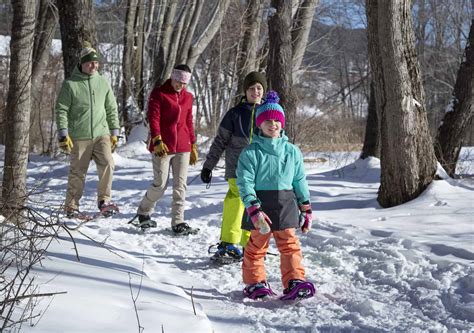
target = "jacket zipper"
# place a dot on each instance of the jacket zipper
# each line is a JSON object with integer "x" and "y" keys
{"x": 91, "y": 93}
{"x": 179, "y": 116}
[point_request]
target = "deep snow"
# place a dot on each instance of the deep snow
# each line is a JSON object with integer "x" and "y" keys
{"x": 406, "y": 268}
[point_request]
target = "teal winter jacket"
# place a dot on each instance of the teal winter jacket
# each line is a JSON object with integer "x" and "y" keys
{"x": 86, "y": 107}
{"x": 271, "y": 172}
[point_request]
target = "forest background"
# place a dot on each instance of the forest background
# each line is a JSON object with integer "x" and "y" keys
{"x": 331, "y": 82}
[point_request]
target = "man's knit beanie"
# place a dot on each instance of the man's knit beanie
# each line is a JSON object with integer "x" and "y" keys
{"x": 253, "y": 78}
{"x": 88, "y": 54}
{"x": 270, "y": 109}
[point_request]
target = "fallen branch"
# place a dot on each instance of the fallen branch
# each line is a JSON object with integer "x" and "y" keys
{"x": 18, "y": 298}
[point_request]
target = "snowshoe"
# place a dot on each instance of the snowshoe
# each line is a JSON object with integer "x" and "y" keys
{"x": 226, "y": 254}
{"x": 74, "y": 213}
{"x": 107, "y": 209}
{"x": 144, "y": 222}
{"x": 298, "y": 289}
{"x": 184, "y": 229}
{"x": 260, "y": 290}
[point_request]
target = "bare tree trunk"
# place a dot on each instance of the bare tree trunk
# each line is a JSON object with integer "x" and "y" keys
{"x": 280, "y": 64}
{"x": 247, "y": 55}
{"x": 170, "y": 52}
{"x": 77, "y": 22}
{"x": 189, "y": 30}
{"x": 127, "y": 63}
{"x": 159, "y": 67}
{"x": 18, "y": 105}
{"x": 452, "y": 131}
{"x": 301, "y": 27}
{"x": 408, "y": 163}
{"x": 139, "y": 52}
{"x": 174, "y": 45}
{"x": 46, "y": 25}
{"x": 372, "y": 140}
{"x": 208, "y": 34}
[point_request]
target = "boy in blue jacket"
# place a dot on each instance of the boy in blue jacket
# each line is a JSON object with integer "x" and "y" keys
{"x": 273, "y": 187}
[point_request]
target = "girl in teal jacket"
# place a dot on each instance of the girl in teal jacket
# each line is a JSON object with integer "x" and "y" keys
{"x": 274, "y": 190}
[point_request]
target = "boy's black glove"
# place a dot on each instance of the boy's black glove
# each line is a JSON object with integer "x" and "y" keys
{"x": 206, "y": 175}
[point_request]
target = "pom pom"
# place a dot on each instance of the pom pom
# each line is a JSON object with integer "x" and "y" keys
{"x": 86, "y": 44}
{"x": 272, "y": 97}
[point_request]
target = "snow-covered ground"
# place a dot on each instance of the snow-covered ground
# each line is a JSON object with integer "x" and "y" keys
{"x": 406, "y": 268}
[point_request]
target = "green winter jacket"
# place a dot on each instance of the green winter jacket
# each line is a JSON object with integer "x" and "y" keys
{"x": 86, "y": 107}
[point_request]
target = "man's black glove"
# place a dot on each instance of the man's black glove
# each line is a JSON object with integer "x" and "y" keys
{"x": 206, "y": 175}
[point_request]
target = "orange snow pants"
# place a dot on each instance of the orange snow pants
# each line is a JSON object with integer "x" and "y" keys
{"x": 253, "y": 266}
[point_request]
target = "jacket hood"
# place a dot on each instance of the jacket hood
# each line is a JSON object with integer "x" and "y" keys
{"x": 271, "y": 146}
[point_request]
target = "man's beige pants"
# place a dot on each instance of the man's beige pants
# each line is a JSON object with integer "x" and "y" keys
{"x": 100, "y": 151}
{"x": 179, "y": 163}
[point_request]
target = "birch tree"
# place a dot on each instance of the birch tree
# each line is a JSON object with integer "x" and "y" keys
{"x": 408, "y": 163}
{"x": 18, "y": 105}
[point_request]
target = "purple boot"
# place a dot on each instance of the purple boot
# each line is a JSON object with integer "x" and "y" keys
{"x": 258, "y": 290}
{"x": 298, "y": 289}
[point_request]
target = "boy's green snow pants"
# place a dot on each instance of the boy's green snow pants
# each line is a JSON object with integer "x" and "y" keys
{"x": 231, "y": 230}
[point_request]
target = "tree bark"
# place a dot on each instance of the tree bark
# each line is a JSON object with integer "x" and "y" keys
{"x": 408, "y": 163}
{"x": 171, "y": 60}
{"x": 459, "y": 113}
{"x": 371, "y": 145}
{"x": 17, "y": 116}
{"x": 247, "y": 55}
{"x": 127, "y": 63}
{"x": 280, "y": 64}
{"x": 160, "y": 64}
{"x": 208, "y": 34}
{"x": 301, "y": 28}
{"x": 77, "y": 22}
{"x": 188, "y": 33}
{"x": 46, "y": 25}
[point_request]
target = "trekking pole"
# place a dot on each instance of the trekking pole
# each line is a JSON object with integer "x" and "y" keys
{"x": 194, "y": 178}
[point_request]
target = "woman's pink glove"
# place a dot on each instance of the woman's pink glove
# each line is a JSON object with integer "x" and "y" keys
{"x": 260, "y": 220}
{"x": 306, "y": 217}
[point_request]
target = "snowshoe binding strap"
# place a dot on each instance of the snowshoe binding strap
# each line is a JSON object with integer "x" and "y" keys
{"x": 300, "y": 290}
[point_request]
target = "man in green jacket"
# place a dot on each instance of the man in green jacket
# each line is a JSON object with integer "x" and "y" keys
{"x": 88, "y": 126}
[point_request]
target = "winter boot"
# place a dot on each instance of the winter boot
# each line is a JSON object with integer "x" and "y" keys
{"x": 227, "y": 254}
{"x": 107, "y": 209}
{"x": 145, "y": 222}
{"x": 71, "y": 212}
{"x": 298, "y": 289}
{"x": 183, "y": 229}
{"x": 258, "y": 290}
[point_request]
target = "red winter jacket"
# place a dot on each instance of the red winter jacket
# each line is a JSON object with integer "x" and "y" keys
{"x": 170, "y": 115}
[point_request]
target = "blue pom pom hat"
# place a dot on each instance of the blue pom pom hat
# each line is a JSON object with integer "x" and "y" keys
{"x": 270, "y": 109}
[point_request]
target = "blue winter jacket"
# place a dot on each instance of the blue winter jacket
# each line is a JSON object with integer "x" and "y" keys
{"x": 271, "y": 172}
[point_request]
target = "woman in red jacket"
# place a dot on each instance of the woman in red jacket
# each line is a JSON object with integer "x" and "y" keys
{"x": 173, "y": 144}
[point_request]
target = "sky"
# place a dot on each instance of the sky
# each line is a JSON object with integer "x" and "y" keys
{"x": 405, "y": 268}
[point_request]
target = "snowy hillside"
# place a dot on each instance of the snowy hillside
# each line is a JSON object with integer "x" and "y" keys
{"x": 407, "y": 268}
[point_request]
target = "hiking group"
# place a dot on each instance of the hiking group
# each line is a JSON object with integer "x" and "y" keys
{"x": 268, "y": 193}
